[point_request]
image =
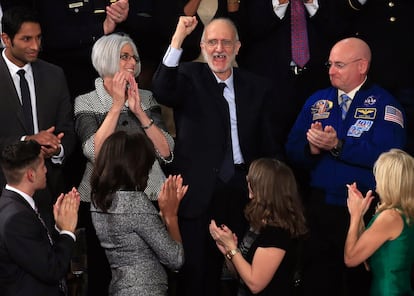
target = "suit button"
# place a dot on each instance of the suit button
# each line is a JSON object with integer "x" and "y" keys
{"x": 391, "y": 4}
{"x": 393, "y": 19}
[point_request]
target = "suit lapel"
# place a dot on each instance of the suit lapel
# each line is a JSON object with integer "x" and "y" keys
{"x": 40, "y": 90}
{"x": 17, "y": 198}
{"x": 219, "y": 100}
{"x": 9, "y": 94}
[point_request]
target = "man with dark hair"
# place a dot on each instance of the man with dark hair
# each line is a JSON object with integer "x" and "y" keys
{"x": 35, "y": 102}
{"x": 31, "y": 261}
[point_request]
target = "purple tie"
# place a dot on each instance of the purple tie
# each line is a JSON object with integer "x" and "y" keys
{"x": 299, "y": 35}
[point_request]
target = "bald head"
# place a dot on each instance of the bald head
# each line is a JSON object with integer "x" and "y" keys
{"x": 350, "y": 59}
{"x": 353, "y": 48}
{"x": 221, "y": 23}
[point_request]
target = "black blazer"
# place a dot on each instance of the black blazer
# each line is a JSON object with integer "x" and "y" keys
{"x": 266, "y": 51}
{"x": 29, "y": 265}
{"x": 200, "y": 118}
{"x": 53, "y": 109}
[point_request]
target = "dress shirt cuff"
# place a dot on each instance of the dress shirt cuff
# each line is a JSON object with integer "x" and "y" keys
{"x": 71, "y": 234}
{"x": 172, "y": 57}
{"x": 58, "y": 159}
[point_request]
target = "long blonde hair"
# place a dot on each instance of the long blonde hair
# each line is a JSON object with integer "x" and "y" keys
{"x": 394, "y": 175}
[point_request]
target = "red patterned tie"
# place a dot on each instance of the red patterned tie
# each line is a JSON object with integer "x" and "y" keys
{"x": 299, "y": 35}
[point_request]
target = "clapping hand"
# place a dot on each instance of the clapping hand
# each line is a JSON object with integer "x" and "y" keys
{"x": 65, "y": 210}
{"x": 357, "y": 204}
{"x": 225, "y": 239}
{"x": 170, "y": 196}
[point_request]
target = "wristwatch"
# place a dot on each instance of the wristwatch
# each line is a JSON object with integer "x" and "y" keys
{"x": 230, "y": 254}
{"x": 336, "y": 151}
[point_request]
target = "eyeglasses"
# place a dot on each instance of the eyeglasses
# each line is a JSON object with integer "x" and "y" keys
{"x": 126, "y": 57}
{"x": 214, "y": 42}
{"x": 340, "y": 65}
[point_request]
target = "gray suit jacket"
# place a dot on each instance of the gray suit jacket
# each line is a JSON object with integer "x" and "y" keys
{"x": 136, "y": 243}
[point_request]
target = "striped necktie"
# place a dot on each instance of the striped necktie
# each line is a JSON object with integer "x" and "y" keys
{"x": 299, "y": 34}
{"x": 344, "y": 106}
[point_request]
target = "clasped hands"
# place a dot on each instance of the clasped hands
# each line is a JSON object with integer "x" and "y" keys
{"x": 49, "y": 142}
{"x": 357, "y": 204}
{"x": 116, "y": 13}
{"x": 225, "y": 239}
{"x": 65, "y": 210}
{"x": 320, "y": 138}
{"x": 125, "y": 88}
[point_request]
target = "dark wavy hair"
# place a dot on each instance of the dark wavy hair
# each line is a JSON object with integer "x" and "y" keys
{"x": 275, "y": 198}
{"x": 123, "y": 162}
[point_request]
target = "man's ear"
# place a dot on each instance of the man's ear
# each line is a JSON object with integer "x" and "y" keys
{"x": 237, "y": 47}
{"x": 6, "y": 39}
{"x": 30, "y": 174}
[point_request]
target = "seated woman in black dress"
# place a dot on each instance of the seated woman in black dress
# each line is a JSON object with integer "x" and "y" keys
{"x": 264, "y": 260}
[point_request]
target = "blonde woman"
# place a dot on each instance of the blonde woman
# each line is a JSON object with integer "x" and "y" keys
{"x": 388, "y": 240}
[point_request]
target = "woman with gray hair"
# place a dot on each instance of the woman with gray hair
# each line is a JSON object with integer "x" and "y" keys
{"x": 116, "y": 104}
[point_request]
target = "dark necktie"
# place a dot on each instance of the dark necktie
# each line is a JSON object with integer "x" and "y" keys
{"x": 63, "y": 288}
{"x": 227, "y": 166}
{"x": 26, "y": 102}
{"x": 299, "y": 34}
{"x": 344, "y": 105}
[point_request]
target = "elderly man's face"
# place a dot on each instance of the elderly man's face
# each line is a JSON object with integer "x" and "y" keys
{"x": 219, "y": 48}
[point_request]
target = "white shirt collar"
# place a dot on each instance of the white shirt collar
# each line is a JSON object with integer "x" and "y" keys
{"x": 13, "y": 68}
{"x": 352, "y": 93}
{"x": 27, "y": 197}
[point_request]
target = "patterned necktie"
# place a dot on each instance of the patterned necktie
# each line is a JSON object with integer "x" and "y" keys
{"x": 26, "y": 102}
{"x": 299, "y": 34}
{"x": 344, "y": 105}
{"x": 45, "y": 227}
{"x": 227, "y": 166}
{"x": 63, "y": 288}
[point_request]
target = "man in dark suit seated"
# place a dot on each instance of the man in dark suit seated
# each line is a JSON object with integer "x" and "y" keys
{"x": 222, "y": 117}
{"x": 35, "y": 102}
{"x": 31, "y": 261}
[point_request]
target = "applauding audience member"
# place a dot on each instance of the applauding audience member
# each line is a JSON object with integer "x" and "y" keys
{"x": 264, "y": 259}
{"x": 127, "y": 224}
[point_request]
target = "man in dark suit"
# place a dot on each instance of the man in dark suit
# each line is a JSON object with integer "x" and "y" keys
{"x": 266, "y": 29}
{"x": 219, "y": 132}
{"x": 51, "y": 110}
{"x": 31, "y": 262}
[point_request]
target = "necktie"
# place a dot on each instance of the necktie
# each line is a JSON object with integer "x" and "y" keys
{"x": 344, "y": 105}
{"x": 62, "y": 282}
{"x": 227, "y": 166}
{"x": 26, "y": 102}
{"x": 45, "y": 227}
{"x": 299, "y": 34}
